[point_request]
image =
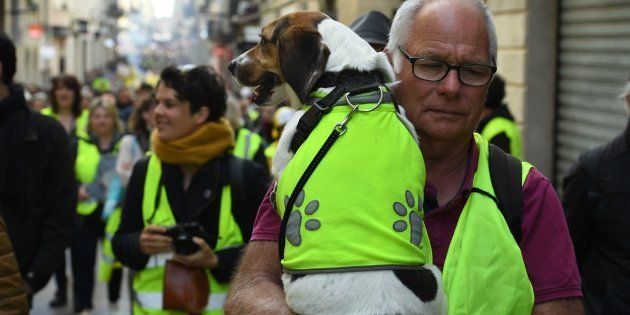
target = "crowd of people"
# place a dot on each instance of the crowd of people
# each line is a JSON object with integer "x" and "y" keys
{"x": 175, "y": 179}
{"x": 82, "y": 181}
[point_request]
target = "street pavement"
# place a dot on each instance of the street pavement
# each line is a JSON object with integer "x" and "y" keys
{"x": 100, "y": 302}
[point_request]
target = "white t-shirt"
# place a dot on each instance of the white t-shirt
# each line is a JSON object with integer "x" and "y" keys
{"x": 130, "y": 153}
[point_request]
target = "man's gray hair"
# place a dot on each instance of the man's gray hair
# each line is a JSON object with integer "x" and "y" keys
{"x": 405, "y": 16}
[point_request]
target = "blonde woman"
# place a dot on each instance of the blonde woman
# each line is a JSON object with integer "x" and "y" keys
{"x": 95, "y": 171}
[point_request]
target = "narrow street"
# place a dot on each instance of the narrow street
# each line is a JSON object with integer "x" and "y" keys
{"x": 101, "y": 305}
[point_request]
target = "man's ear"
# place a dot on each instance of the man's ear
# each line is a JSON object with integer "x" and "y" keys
{"x": 303, "y": 59}
{"x": 201, "y": 116}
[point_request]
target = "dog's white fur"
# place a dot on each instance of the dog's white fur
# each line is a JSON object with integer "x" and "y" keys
{"x": 344, "y": 46}
{"x": 362, "y": 292}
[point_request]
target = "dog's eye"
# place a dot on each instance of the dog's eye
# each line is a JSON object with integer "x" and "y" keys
{"x": 263, "y": 40}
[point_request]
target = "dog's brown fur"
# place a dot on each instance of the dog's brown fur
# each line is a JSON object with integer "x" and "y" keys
{"x": 291, "y": 39}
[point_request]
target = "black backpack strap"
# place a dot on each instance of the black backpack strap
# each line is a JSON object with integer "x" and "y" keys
{"x": 237, "y": 181}
{"x": 505, "y": 174}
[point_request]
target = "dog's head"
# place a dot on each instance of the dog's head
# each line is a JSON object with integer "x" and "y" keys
{"x": 290, "y": 52}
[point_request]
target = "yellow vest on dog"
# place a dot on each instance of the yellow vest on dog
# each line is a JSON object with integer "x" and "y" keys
{"x": 362, "y": 207}
{"x": 484, "y": 272}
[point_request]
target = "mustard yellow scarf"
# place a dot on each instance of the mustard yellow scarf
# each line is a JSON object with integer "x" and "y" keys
{"x": 207, "y": 142}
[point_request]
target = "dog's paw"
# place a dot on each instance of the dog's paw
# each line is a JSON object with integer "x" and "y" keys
{"x": 414, "y": 217}
{"x": 294, "y": 223}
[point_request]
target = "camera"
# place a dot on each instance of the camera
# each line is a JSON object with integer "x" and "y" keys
{"x": 182, "y": 235}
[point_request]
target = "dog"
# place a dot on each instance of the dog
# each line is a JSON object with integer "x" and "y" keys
{"x": 295, "y": 54}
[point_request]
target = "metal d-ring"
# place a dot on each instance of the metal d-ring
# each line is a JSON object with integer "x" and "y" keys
{"x": 380, "y": 100}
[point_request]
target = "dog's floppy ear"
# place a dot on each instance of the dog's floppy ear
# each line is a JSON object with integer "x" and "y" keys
{"x": 303, "y": 59}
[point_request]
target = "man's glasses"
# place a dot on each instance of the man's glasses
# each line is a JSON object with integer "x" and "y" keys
{"x": 436, "y": 70}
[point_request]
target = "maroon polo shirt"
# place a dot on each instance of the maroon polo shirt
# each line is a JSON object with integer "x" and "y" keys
{"x": 546, "y": 246}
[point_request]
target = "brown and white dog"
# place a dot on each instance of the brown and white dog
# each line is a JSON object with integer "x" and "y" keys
{"x": 294, "y": 52}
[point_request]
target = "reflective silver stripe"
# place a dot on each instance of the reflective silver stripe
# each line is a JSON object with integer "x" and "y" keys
{"x": 153, "y": 300}
{"x": 159, "y": 260}
{"x": 248, "y": 143}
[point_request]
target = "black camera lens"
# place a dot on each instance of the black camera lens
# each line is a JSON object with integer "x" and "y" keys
{"x": 184, "y": 244}
{"x": 182, "y": 236}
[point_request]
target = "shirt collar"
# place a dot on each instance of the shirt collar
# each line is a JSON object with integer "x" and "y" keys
{"x": 467, "y": 183}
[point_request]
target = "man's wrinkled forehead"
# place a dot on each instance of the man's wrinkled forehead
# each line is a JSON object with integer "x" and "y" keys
{"x": 443, "y": 23}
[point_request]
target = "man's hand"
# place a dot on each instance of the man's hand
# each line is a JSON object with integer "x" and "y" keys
{"x": 572, "y": 306}
{"x": 257, "y": 287}
{"x": 203, "y": 258}
{"x": 83, "y": 193}
{"x": 153, "y": 240}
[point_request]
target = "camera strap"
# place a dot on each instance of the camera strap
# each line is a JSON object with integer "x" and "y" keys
{"x": 158, "y": 196}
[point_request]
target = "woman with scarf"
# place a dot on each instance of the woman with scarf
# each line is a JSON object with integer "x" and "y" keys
{"x": 191, "y": 181}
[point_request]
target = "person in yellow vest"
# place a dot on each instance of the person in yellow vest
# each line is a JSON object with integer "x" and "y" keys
{"x": 66, "y": 105}
{"x": 190, "y": 178}
{"x": 281, "y": 117}
{"x": 66, "y": 100}
{"x": 444, "y": 55}
{"x": 248, "y": 144}
{"x": 497, "y": 124}
{"x": 101, "y": 85}
{"x": 95, "y": 171}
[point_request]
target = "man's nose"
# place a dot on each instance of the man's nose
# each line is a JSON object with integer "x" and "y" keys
{"x": 450, "y": 85}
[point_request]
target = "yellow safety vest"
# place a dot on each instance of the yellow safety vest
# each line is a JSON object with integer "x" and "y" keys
{"x": 270, "y": 151}
{"x": 362, "y": 207}
{"x": 80, "y": 125}
{"x": 85, "y": 168}
{"x": 148, "y": 283}
{"x": 247, "y": 144}
{"x": 108, "y": 261}
{"x": 484, "y": 272}
{"x": 498, "y": 125}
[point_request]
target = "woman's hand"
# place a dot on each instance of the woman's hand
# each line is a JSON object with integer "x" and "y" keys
{"x": 203, "y": 258}
{"x": 153, "y": 240}
{"x": 83, "y": 193}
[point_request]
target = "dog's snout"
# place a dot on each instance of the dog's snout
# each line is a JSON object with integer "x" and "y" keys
{"x": 232, "y": 66}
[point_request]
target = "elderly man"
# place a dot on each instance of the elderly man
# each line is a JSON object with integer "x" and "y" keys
{"x": 444, "y": 54}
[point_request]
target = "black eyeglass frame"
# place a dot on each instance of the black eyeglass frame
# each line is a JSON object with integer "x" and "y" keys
{"x": 449, "y": 67}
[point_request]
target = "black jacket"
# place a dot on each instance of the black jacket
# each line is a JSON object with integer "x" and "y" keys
{"x": 37, "y": 188}
{"x": 597, "y": 200}
{"x": 199, "y": 203}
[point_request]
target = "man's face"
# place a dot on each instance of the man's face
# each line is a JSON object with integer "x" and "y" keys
{"x": 456, "y": 34}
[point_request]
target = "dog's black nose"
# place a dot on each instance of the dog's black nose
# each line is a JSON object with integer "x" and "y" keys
{"x": 231, "y": 66}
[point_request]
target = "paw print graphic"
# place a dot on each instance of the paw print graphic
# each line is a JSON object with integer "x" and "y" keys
{"x": 414, "y": 218}
{"x": 295, "y": 218}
